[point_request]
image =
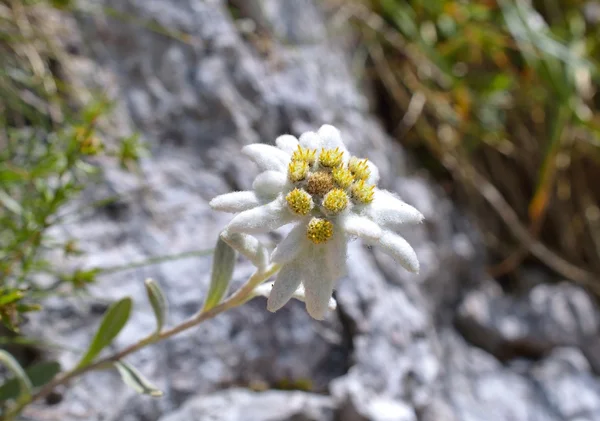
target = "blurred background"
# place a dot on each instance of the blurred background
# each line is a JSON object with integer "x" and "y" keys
{"x": 121, "y": 119}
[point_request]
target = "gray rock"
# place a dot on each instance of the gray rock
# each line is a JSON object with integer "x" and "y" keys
{"x": 530, "y": 324}
{"x": 198, "y": 90}
{"x": 241, "y": 404}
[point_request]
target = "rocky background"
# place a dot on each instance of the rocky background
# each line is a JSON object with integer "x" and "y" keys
{"x": 446, "y": 345}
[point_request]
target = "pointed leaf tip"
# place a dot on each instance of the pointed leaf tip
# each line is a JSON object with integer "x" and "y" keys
{"x": 113, "y": 322}
{"x": 136, "y": 380}
{"x": 157, "y": 301}
{"x": 222, "y": 272}
{"x": 13, "y": 365}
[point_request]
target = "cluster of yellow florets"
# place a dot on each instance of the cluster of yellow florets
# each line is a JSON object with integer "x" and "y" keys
{"x": 324, "y": 186}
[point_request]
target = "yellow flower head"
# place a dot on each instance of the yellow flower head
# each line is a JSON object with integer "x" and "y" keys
{"x": 319, "y": 230}
{"x": 299, "y": 202}
{"x": 335, "y": 201}
{"x": 359, "y": 167}
{"x": 363, "y": 192}
{"x": 305, "y": 154}
{"x": 331, "y": 157}
{"x": 342, "y": 177}
{"x": 297, "y": 170}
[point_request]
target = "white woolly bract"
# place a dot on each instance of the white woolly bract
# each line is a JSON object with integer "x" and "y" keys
{"x": 238, "y": 201}
{"x": 287, "y": 143}
{"x": 390, "y": 212}
{"x": 400, "y": 250}
{"x": 264, "y": 290}
{"x": 267, "y": 157}
{"x": 248, "y": 246}
{"x": 262, "y": 219}
{"x": 290, "y": 246}
{"x": 269, "y": 184}
{"x": 360, "y": 226}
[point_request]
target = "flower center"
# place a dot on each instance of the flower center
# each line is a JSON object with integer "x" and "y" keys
{"x": 319, "y": 183}
{"x": 335, "y": 201}
{"x": 359, "y": 167}
{"x": 342, "y": 177}
{"x": 319, "y": 230}
{"x": 299, "y": 202}
{"x": 363, "y": 192}
{"x": 304, "y": 154}
{"x": 331, "y": 157}
{"x": 297, "y": 170}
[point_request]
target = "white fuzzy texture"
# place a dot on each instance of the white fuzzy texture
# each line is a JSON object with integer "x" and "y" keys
{"x": 360, "y": 226}
{"x": 290, "y": 246}
{"x": 311, "y": 140}
{"x": 400, "y": 250}
{"x": 288, "y": 280}
{"x": 267, "y": 157}
{"x": 390, "y": 212}
{"x": 269, "y": 184}
{"x": 308, "y": 270}
{"x": 374, "y": 176}
{"x": 287, "y": 143}
{"x": 238, "y": 201}
{"x": 318, "y": 280}
{"x": 265, "y": 289}
{"x": 249, "y": 247}
{"x": 262, "y": 219}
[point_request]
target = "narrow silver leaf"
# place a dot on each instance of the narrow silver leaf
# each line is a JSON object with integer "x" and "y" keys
{"x": 134, "y": 379}
{"x": 222, "y": 271}
{"x": 13, "y": 365}
{"x": 157, "y": 301}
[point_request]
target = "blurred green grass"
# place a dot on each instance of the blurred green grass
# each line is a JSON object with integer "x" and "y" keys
{"x": 49, "y": 139}
{"x": 499, "y": 97}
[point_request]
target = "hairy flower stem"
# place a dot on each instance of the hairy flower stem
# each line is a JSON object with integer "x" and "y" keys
{"x": 238, "y": 298}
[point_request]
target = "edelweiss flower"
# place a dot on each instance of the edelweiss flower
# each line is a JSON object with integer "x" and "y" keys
{"x": 332, "y": 198}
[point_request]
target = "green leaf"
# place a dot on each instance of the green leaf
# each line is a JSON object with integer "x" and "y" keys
{"x": 134, "y": 379}
{"x": 20, "y": 376}
{"x": 158, "y": 302}
{"x": 10, "y": 203}
{"x": 39, "y": 374}
{"x": 223, "y": 263}
{"x": 114, "y": 320}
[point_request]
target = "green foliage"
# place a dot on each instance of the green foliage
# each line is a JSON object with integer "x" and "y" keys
{"x": 134, "y": 379}
{"x": 39, "y": 374}
{"x": 158, "y": 301}
{"x": 222, "y": 271}
{"x": 113, "y": 322}
{"x": 508, "y": 89}
{"x": 23, "y": 382}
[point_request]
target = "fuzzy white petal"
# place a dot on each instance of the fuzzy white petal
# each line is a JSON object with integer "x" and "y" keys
{"x": 331, "y": 137}
{"x": 264, "y": 290}
{"x": 287, "y": 143}
{"x": 318, "y": 281}
{"x": 311, "y": 140}
{"x": 267, "y": 157}
{"x": 374, "y": 177}
{"x": 269, "y": 184}
{"x": 291, "y": 245}
{"x": 249, "y": 247}
{"x": 391, "y": 212}
{"x": 288, "y": 280}
{"x": 360, "y": 226}
{"x": 400, "y": 250}
{"x": 262, "y": 219}
{"x": 300, "y": 294}
{"x": 238, "y": 201}
{"x": 337, "y": 255}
